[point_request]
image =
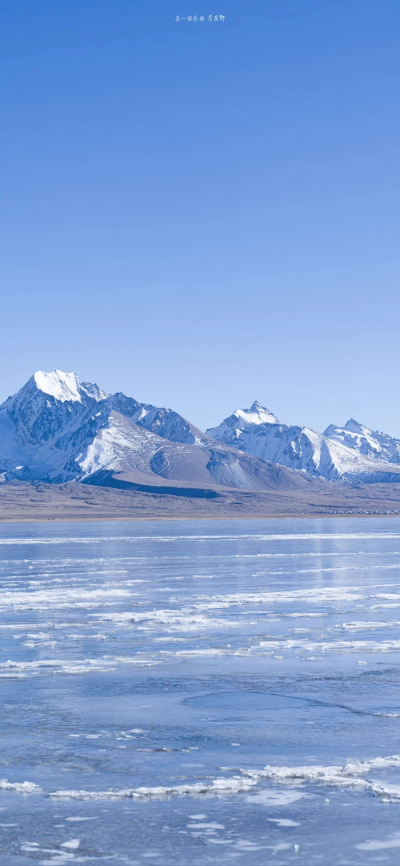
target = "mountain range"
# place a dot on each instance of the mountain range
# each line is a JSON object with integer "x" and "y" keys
{"x": 349, "y": 453}
{"x": 57, "y": 429}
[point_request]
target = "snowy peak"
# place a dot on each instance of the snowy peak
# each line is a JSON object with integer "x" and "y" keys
{"x": 92, "y": 390}
{"x": 366, "y": 442}
{"x": 61, "y": 386}
{"x": 354, "y": 426}
{"x": 257, "y": 414}
{"x": 47, "y": 408}
{"x": 230, "y": 431}
{"x": 66, "y": 387}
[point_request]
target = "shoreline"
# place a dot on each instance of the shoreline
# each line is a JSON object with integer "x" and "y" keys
{"x": 193, "y": 517}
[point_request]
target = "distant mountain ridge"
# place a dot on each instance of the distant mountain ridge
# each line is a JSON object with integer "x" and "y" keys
{"x": 57, "y": 429}
{"x": 350, "y": 453}
{"x": 369, "y": 443}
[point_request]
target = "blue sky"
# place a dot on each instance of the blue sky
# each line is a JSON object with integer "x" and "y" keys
{"x": 204, "y": 214}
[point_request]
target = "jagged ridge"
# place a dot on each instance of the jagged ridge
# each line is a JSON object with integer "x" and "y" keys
{"x": 349, "y": 453}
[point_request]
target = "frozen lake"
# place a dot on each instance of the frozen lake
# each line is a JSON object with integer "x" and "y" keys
{"x": 204, "y": 692}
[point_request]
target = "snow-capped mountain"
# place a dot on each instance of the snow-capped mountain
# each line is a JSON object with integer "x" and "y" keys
{"x": 44, "y": 425}
{"x": 56, "y": 429}
{"x": 369, "y": 443}
{"x": 230, "y": 431}
{"x": 329, "y": 456}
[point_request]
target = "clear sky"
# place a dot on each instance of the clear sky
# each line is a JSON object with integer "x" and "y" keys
{"x": 201, "y": 214}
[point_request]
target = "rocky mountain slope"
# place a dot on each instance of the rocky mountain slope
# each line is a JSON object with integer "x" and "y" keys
{"x": 349, "y": 453}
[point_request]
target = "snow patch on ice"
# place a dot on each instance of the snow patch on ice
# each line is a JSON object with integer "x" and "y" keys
{"x": 19, "y": 787}
{"x": 350, "y": 775}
